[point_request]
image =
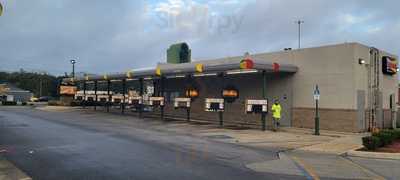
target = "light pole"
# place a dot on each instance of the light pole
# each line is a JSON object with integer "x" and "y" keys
{"x": 299, "y": 22}
{"x": 316, "y": 98}
{"x": 73, "y": 67}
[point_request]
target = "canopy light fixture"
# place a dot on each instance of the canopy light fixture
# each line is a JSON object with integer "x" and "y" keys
{"x": 176, "y": 76}
{"x": 205, "y": 74}
{"x": 132, "y": 79}
{"x": 115, "y": 80}
{"x": 242, "y": 71}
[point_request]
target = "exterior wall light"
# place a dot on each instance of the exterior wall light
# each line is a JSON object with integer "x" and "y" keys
{"x": 192, "y": 93}
{"x": 230, "y": 94}
{"x": 361, "y": 61}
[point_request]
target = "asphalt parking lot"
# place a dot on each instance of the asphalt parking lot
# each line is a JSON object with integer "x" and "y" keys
{"x": 74, "y": 143}
{"x": 55, "y": 145}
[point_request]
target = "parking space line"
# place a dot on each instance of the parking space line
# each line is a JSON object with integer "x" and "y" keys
{"x": 306, "y": 167}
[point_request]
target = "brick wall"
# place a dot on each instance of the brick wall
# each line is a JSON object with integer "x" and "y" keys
{"x": 330, "y": 119}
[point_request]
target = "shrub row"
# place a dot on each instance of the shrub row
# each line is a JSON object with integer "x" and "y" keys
{"x": 380, "y": 139}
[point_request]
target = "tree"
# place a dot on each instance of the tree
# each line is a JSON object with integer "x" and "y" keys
{"x": 40, "y": 84}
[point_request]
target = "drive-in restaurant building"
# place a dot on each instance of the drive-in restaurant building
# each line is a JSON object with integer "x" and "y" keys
{"x": 358, "y": 86}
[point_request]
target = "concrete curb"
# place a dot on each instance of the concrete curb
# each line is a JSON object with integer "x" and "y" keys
{"x": 10, "y": 171}
{"x": 373, "y": 155}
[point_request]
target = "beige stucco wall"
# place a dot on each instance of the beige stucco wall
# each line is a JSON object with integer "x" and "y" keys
{"x": 330, "y": 67}
{"x": 335, "y": 69}
{"x": 388, "y": 84}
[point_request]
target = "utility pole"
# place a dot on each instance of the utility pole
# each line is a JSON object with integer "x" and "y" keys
{"x": 299, "y": 22}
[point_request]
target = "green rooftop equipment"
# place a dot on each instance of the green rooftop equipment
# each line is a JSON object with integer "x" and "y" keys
{"x": 178, "y": 53}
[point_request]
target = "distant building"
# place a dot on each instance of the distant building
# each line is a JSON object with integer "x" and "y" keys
{"x": 11, "y": 93}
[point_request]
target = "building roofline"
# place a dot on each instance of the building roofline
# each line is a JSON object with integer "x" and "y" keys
{"x": 189, "y": 68}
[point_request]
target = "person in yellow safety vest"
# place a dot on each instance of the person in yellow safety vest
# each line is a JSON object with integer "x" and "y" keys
{"x": 276, "y": 115}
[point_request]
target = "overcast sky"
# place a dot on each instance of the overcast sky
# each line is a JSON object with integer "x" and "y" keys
{"x": 116, "y": 35}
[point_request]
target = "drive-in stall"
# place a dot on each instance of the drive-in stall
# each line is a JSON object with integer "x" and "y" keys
{"x": 193, "y": 86}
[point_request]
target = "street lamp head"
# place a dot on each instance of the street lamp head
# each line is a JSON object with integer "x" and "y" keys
{"x": 73, "y": 61}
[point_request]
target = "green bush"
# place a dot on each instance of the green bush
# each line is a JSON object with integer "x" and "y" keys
{"x": 396, "y": 133}
{"x": 386, "y": 137}
{"x": 380, "y": 139}
{"x": 371, "y": 142}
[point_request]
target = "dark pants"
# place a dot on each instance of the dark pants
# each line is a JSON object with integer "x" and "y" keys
{"x": 275, "y": 123}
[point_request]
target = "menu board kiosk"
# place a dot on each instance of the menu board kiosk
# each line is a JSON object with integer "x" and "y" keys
{"x": 135, "y": 101}
{"x": 157, "y": 102}
{"x": 183, "y": 103}
{"x": 215, "y": 105}
{"x": 257, "y": 106}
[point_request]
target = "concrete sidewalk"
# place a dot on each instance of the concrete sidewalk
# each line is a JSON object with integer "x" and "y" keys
{"x": 9, "y": 172}
{"x": 343, "y": 143}
{"x": 287, "y": 138}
